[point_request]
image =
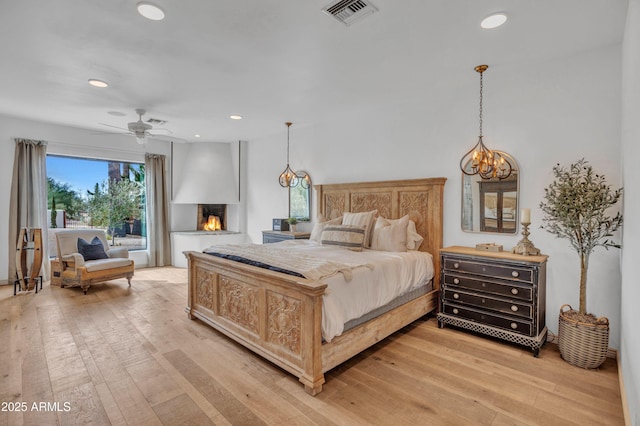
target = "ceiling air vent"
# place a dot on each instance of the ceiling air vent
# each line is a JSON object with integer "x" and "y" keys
{"x": 348, "y": 11}
{"x": 156, "y": 121}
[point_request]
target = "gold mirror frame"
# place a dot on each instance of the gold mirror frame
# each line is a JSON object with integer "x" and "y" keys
{"x": 491, "y": 205}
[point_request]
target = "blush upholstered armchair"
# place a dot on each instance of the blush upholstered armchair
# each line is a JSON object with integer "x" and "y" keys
{"x": 86, "y": 258}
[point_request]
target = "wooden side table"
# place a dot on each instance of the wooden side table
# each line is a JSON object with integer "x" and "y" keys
{"x": 277, "y": 236}
{"x": 56, "y": 273}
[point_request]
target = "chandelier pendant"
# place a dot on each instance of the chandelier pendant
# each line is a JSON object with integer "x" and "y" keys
{"x": 288, "y": 177}
{"x": 480, "y": 160}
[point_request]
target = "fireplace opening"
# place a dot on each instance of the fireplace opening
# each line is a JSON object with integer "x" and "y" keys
{"x": 212, "y": 217}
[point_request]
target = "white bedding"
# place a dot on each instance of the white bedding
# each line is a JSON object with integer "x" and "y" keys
{"x": 393, "y": 275}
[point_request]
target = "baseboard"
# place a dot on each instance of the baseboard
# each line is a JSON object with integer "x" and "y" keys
{"x": 623, "y": 393}
{"x": 553, "y": 338}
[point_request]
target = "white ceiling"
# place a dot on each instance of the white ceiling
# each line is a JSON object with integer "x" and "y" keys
{"x": 270, "y": 61}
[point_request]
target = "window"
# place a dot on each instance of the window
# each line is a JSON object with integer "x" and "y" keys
{"x": 91, "y": 193}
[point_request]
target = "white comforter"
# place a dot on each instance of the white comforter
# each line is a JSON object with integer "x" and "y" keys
{"x": 393, "y": 275}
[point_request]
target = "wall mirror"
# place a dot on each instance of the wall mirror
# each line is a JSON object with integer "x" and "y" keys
{"x": 491, "y": 205}
{"x": 300, "y": 198}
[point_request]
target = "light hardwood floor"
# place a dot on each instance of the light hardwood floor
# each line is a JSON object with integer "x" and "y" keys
{"x": 122, "y": 355}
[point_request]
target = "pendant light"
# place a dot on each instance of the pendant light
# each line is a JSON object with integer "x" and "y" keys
{"x": 480, "y": 160}
{"x": 288, "y": 178}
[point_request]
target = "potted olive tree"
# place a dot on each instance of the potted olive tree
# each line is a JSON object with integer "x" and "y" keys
{"x": 576, "y": 207}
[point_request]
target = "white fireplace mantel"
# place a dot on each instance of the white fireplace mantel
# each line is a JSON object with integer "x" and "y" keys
{"x": 182, "y": 241}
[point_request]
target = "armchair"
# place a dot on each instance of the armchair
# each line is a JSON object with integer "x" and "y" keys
{"x": 86, "y": 258}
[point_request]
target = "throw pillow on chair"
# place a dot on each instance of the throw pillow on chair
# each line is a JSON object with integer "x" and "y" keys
{"x": 93, "y": 250}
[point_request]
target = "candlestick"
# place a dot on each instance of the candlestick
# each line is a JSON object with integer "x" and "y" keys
{"x": 524, "y": 246}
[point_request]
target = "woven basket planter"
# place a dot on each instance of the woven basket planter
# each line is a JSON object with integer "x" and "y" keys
{"x": 582, "y": 344}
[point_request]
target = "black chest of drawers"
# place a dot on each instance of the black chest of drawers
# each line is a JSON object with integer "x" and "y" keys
{"x": 497, "y": 294}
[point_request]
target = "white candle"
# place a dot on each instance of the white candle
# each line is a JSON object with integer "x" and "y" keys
{"x": 525, "y": 216}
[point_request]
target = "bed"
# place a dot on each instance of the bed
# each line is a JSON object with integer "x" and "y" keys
{"x": 279, "y": 316}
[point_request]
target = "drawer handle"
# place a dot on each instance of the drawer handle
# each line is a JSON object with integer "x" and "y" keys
{"x": 515, "y": 274}
{"x": 514, "y": 308}
{"x": 514, "y": 325}
{"x": 456, "y": 265}
{"x": 514, "y": 291}
{"x": 456, "y": 296}
{"x": 456, "y": 281}
{"x": 455, "y": 311}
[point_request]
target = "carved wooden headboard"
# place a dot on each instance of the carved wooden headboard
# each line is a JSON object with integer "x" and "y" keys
{"x": 421, "y": 199}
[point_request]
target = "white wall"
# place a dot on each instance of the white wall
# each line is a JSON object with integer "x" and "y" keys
{"x": 630, "y": 346}
{"x": 552, "y": 112}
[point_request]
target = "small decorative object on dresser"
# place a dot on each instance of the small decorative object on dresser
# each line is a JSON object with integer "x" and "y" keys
{"x": 489, "y": 247}
{"x": 292, "y": 223}
{"x": 524, "y": 246}
{"x": 499, "y": 294}
{"x": 277, "y": 236}
{"x": 575, "y": 207}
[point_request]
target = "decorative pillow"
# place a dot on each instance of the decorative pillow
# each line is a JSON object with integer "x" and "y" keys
{"x": 363, "y": 219}
{"x": 351, "y": 237}
{"x": 93, "y": 250}
{"x": 414, "y": 240}
{"x": 316, "y": 233}
{"x": 390, "y": 235}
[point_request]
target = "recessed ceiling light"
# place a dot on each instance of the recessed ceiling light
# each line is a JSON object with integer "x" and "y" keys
{"x": 235, "y": 117}
{"x": 493, "y": 21}
{"x": 97, "y": 83}
{"x": 197, "y": 136}
{"x": 116, "y": 113}
{"x": 150, "y": 11}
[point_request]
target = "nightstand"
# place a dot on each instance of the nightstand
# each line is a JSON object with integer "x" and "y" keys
{"x": 277, "y": 236}
{"x": 499, "y": 294}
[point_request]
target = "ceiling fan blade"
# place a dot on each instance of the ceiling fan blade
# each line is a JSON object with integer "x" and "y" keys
{"x": 169, "y": 138}
{"x": 160, "y": 132}
{"x": 110, "y": 133}
{"x": 115, "y": 127}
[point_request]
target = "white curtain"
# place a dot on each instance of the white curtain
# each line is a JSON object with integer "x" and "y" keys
{"x": 28, "y": 203}
{"x": 158, "y": 239}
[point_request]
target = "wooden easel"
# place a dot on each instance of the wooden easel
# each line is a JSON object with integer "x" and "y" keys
{"x": 28, "y": 239}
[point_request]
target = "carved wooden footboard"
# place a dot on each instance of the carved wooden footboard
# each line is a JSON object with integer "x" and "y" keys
{"x": 279, "y": 316}
{"x": 275, "y": 315}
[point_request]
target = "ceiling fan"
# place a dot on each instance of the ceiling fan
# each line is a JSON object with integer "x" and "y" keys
{"x": 140, "y": 129}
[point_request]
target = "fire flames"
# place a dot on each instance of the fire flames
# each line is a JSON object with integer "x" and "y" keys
{"x": 213, "y": 224}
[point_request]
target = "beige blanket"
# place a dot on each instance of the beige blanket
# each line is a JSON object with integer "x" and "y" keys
{"x": 313, "y": 268}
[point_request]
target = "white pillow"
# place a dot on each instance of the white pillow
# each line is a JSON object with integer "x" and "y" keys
{"x": 414, "y": 240}
{"x": 316, "y": 232}
{"x": 390, "y": 235}
{"x": 363, "y": 219}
